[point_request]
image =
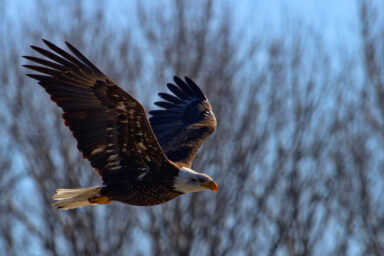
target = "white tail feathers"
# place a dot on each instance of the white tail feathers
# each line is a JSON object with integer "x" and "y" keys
{"x": 78, "y": 197}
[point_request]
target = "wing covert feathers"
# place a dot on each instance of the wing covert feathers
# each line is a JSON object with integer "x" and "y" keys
{"x": 110, "y": 126}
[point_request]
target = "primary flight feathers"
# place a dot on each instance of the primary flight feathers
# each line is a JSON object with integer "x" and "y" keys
{"x": 186, "y": 121}
{"x": 141, "y": 161}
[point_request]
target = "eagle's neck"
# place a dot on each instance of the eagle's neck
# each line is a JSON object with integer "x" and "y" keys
{"x": 187, "y": 181}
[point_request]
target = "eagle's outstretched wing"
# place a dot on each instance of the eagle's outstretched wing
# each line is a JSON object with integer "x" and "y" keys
{"x": 110, "y": 126}
{"x": 185, "y": 121}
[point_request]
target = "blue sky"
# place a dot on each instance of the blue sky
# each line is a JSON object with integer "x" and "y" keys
{"x": 336, "y": 20}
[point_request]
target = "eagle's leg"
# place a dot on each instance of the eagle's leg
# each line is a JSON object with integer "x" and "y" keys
{"x": 100, "y": 200}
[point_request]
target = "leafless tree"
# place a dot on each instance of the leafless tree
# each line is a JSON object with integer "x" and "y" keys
{"x": 297, "y": 151}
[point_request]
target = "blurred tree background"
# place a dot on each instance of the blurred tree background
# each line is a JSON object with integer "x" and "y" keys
{"x": 298, "y": 152}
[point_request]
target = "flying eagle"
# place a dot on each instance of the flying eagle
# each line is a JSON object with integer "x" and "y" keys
{"x": 142, "y": 162}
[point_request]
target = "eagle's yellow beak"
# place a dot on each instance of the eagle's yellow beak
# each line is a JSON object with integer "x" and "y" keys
{"x": 210, "y": 185}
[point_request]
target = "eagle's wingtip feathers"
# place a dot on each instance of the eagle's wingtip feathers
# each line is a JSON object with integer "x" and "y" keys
{"x": 45, "y": 41}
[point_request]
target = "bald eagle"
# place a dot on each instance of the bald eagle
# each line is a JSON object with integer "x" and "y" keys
{"x": 141, "y": 161}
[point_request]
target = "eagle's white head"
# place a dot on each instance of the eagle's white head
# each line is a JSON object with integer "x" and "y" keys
{"x": 188, "y": 181}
